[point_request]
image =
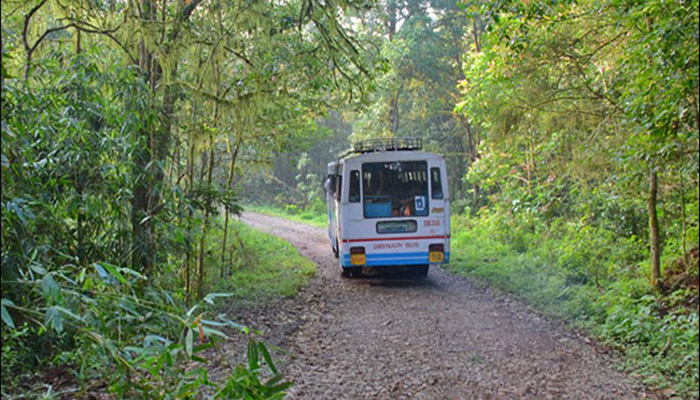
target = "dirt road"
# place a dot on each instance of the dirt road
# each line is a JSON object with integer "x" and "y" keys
{"x": 442, "y": 337}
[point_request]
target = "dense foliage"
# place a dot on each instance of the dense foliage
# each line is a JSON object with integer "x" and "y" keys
{"x": 589, "y": 165}
{"x": 122, "y": 124}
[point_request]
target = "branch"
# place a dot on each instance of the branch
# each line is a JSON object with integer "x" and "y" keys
{"x": 26, "y": 24}
{"x": 27, "y": 49}
{"x": 241, "y": 56}
{"x": 89, "y": 28}
{"x": 109, "y": 35}
{"x": 521, "y": 179}
{"x": 220, "y": 99}
{"x": 46, "y": 33}
{"x": 30, "y": 50}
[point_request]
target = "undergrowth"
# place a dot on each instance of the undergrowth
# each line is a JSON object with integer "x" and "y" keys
{"x": 265, "y": 267}
{"x": 108, "y": 329}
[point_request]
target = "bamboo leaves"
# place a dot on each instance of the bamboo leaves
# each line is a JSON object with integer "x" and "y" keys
{"x": 6, "y": 317}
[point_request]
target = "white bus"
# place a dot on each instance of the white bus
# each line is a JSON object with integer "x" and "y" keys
{"x": 388, "y": 205}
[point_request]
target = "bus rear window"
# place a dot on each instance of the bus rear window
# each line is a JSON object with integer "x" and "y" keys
{"x": 435, "y": 183}
{"x": 395, "y": 189}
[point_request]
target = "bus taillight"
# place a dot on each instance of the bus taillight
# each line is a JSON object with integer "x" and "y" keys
{"x": 436, "y": 253}
{"x": 357, "y": 255}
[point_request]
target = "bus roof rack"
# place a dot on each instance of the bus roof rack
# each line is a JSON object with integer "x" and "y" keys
{"x": 368, "y": 146}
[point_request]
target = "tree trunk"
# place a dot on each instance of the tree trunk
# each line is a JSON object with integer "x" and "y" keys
{"x": 205, "y": 224}
{"x": 394, "y": 112}
{"x": 654, "y": 232}
{"x": 685, "y": 231}
{"x": 229, "y": 181}
{"x": 190, "y": 183}
{"x": 140, "y": 223}
{"x": 140, "y": 253}
{"x": 476, "y": 34}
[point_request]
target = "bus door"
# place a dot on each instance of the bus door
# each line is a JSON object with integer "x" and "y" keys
{"x": 439, "y": 223}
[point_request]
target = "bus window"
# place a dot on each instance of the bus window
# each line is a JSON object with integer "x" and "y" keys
{"x": 435, "y": 183}
{"x": 395, "y": 189}
{"x": 338, "y": 187}
{"x": 354, "y": 194}
{"x": 329, "y": 184}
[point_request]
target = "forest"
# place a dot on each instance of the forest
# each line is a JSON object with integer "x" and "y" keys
{"x": 135, "y": 131}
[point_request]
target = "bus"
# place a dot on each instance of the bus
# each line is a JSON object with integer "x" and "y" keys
{"x": 388, "y": 206}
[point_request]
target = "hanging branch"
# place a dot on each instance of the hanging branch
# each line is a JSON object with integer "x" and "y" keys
{"x": 30, "y": 49}
{"x": 109, "y": 33}
{"x": 78, "y": 25}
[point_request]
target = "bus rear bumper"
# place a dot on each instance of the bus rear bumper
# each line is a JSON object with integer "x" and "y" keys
{"x": 394, "y": 260}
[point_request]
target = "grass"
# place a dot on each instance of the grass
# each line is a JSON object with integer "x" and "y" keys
{"x": 311, "y": 217}
{"x": 263, "y": 268}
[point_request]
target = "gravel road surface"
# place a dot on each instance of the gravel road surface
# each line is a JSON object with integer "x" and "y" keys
{"x": 442, "y": 337}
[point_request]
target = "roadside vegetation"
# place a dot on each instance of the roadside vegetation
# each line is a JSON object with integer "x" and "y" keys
{"x": 264, "y": 267}
{"x": 111, "y": 318}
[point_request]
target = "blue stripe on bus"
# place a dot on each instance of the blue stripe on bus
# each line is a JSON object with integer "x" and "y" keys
{"x": 393, "y": 255}
{"x": 394, "y": 259}
{"x": 398, "y": 257}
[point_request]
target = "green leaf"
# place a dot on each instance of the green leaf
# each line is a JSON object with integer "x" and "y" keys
{"x": 211, "y": 296}
{"x": 156, "y": 368}
{"x": 68, "y": 312}
{"x": 133, "y": 273}
{"x": 112, "y": 269}
{"x": 189, "y": 340}
{"x": 53, "y": 319}
{"x": 50, "y": 288}
{"x": 210, "y": 332}
{"x": 253, "y": 362}
{"x": 199, "y": 359}
{"x": 6, "y": 317}
{"x": 237, "y": 326}
{"x": 191, "y": 310}
{"x": 38, "y": 269}
{"x": 266, "y": 356}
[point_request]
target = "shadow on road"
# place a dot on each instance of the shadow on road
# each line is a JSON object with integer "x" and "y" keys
{"x": 395, "y": 278}
{"x": 400, "y": 282}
